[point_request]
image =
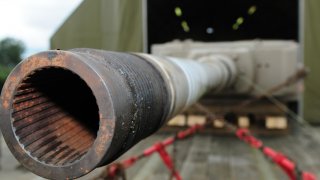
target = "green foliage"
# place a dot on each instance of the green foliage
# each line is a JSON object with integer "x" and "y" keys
{"x": 11, "y": 51}
{"x": 4, "y": 71}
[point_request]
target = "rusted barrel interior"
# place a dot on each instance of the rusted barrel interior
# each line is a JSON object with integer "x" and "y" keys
{"x": 55, "y": 116}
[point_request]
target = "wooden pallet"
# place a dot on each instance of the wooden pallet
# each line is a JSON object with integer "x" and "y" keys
{"x": 273, "y": 125}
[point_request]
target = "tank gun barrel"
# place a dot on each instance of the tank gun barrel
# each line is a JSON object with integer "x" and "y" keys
{"x": 65, "y": 113}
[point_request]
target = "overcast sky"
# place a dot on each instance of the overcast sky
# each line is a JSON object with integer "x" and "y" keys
{"x": 33, "y": 21}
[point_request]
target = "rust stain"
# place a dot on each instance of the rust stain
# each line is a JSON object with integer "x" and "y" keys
{"x": 5, "y": 104}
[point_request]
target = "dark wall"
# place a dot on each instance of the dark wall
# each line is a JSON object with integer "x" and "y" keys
{"x": 226, "y": 20}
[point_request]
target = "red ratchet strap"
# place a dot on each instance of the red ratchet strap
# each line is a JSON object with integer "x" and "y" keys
{"x": 245, "y": 135}
{"x": 190, "y": 131}
{"x": 115, "y": 169}
{"x": 181, "y": 135}
{"x": 160, "y": 148}
{"x": 287, "y": 165}
{"x": 282, "y": 161}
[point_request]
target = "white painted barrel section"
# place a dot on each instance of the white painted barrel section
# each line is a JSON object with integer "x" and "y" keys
{"x": 188, "y": 80}
{"x": 210, "y": 73}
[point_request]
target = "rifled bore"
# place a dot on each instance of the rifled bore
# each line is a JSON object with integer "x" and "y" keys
{"x": 55, "y": 116}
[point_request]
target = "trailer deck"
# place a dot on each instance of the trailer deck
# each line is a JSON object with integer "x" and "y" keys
{"x": 207, "y": 157}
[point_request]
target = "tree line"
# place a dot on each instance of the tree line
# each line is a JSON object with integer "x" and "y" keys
{"x": 11, "y": 51}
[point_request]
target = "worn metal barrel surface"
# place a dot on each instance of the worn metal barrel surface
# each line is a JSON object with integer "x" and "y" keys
{"x": 64, "y": 113}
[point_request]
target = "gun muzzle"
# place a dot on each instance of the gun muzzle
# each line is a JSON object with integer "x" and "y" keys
{"x": 65, "y": 113}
